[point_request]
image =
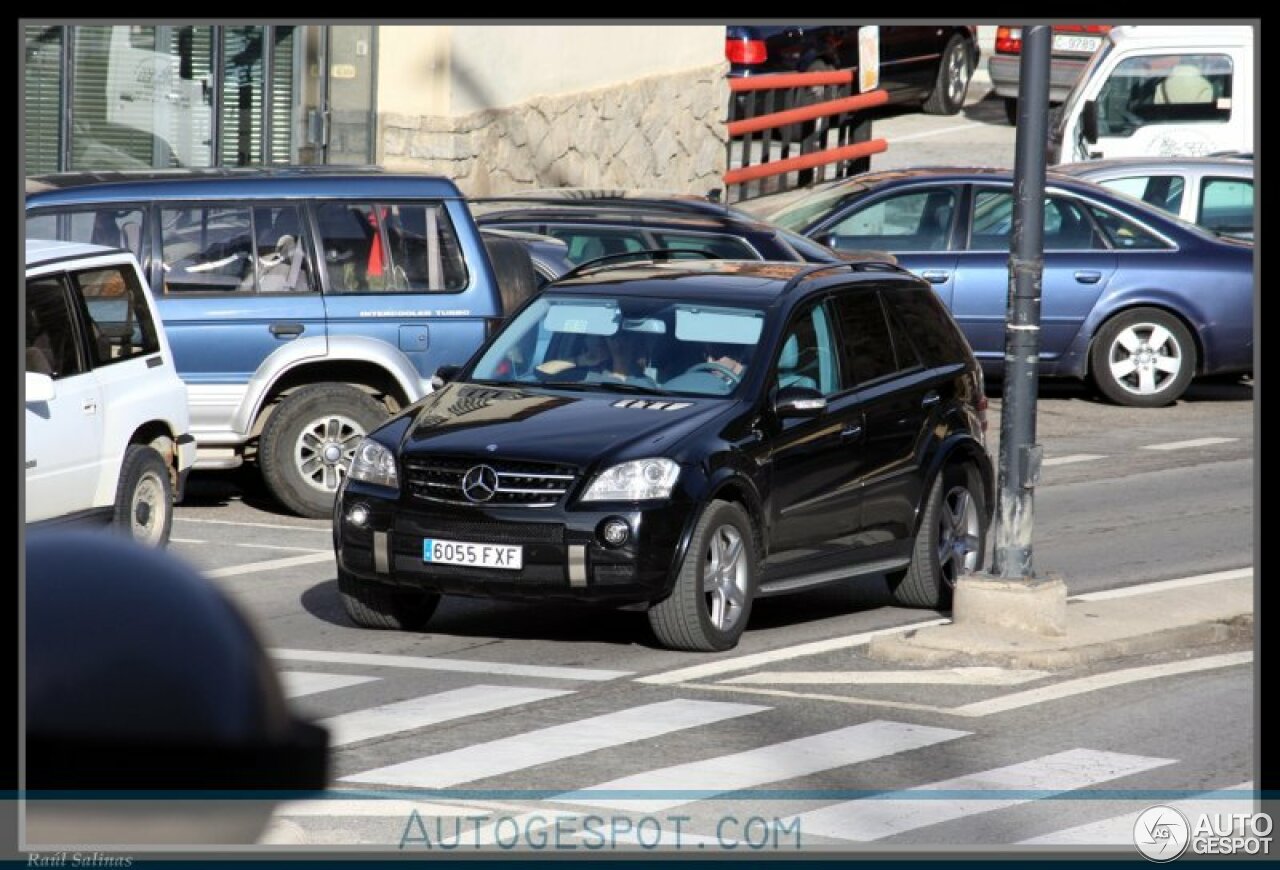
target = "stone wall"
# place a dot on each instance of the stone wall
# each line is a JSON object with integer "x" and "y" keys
{"x": 661, "y": 133}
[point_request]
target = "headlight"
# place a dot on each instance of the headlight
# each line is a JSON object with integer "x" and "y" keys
{"x": 640, "y": 480}
{"x": 374, "y": 463}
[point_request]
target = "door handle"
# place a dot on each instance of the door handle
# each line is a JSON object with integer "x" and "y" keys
{"x": 89, "y": 406}
{"x": 287, "y": 330}
{"x": 852, "y": 432}
{"x": 930, "y": 399}
{"x": 1088, "y": 276}
{"x": 935, "y": 276}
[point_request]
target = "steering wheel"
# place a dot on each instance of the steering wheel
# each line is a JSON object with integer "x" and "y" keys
{"x": 716, "y": 368}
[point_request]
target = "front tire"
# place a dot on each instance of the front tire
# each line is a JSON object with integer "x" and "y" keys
{"x": 308, "y": 441}
{"x": 708, "y": 609}
{"x": 376, "y": 605}
{"x": 144, "y": 496}
{"x": 952, "y": 81}
{"x": 950, "y": 542}
{"x": 1144, "y": 358}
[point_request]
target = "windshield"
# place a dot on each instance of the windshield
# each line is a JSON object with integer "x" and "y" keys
{"x": 1082, "y": 82}
{"x": 653, "y": 346}
{"x": 805, "y": 212}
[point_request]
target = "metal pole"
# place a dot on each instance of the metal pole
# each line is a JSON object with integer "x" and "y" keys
{"x": 1019, "y": 454}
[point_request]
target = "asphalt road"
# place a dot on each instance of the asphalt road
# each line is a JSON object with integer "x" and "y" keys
{"x": 500, "y": 706}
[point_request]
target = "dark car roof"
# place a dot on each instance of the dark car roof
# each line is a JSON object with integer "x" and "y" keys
{"x": 282, "y": 182}
{"x": 726, "y": 281}
{"x": 638, "y": 208}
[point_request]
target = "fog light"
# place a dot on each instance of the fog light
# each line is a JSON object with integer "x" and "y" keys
{"x": 615, "y": 532}
{"x": 358, "y": 515}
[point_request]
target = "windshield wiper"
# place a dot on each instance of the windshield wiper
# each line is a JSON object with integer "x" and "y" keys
{"x": 610, "y": 386}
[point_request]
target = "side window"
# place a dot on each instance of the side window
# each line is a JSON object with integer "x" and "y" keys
{"x": 1226, "y": 206}
{"x": 1125, "y": 234}
{"x": 721, "y": 247}
{"x": 808, "y": 357}
{"x": 1165, "y": 89}
{"x": 1066, "y": 226}
{"x": 425, "y": 254}
{"x": 917, "y": 221}
{"x": 372, "y": 248}
{"x": 114, "y": 227}
{"x": 933, "y": 332}
{"x": 283, "y": 264}
{"x": 207, "y": 249}
{"x": 588, "y": 243}
{"x": 1162, "y": 191}
{"x": 120, "y": 323}
{"x": 869, "y": 346}
{"x": 51, "y": 337}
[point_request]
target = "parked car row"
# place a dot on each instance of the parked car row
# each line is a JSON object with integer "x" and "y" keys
{"x": 674, "y": 423}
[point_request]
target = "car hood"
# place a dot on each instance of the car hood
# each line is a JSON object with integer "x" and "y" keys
{"x": 567, "y": 427}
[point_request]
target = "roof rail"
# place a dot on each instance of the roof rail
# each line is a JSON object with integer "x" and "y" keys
{"x": 865, "y": 266}
{"x": 652, "y": 255}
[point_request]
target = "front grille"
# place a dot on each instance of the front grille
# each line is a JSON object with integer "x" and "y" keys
{"x": 520, "y": 484}
{"x": 482, "y": 533}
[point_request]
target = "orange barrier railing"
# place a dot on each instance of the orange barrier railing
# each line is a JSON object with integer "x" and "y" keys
{"x": 812, "y": 113}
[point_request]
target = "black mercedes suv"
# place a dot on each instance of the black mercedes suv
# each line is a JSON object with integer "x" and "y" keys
{"x": 682, "y": 437}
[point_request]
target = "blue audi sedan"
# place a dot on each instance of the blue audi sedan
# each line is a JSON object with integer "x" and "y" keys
{"x": 1136, "y": 299}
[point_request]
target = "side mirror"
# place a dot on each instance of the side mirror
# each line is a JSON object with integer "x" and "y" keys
{"x": 1089, "y": 121}
{"x": 444, "y": 375}
{"x": 39, "y": 388}
{"x": 798, "y": 402}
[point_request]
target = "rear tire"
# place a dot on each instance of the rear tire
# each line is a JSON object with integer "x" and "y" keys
{"x": 308, "y": 441}
{"x": 1143, "y": 358}
{"x": 1011, "y": 110}
{"x": 950, "y": 542}
{"x": 376, "y": 605}
{"x": 952, "y": 82}
{"x": 708, "y": 609}
{"x": 144, "y": 496}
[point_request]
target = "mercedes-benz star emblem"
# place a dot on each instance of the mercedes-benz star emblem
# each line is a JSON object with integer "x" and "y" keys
{"x": 480, "y": 483}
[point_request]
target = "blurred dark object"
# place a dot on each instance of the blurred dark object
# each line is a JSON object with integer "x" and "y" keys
{"x": 142, "y": 677}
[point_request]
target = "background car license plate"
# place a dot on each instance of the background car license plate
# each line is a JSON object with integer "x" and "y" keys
{"x": 472, "y": 555}
{"x": 1082, "y": 44}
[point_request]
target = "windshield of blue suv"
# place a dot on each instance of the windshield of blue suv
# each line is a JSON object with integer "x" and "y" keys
{"x": 625, "y": 344}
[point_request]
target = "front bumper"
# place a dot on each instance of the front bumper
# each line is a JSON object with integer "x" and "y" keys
{"x": 564, "y": 555}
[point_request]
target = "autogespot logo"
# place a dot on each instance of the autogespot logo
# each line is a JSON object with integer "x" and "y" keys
{"x": 1161, "y": 833}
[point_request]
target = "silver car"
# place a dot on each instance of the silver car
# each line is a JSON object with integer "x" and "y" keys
{"x": 1214, "y": 192}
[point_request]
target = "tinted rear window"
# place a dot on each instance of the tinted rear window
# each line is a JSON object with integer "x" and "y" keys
{"x": 931, "y": 328}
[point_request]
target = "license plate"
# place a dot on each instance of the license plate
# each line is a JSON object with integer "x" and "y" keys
{"x": 472, "y": 555}
{"x": 1078, "y": 44}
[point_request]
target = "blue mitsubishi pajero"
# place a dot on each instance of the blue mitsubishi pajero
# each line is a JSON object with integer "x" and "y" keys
{"x": 303, "y": 305}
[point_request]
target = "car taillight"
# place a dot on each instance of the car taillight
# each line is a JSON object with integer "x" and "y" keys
{"x": 746, "y": 51}
{"x": 1009, "y": 40}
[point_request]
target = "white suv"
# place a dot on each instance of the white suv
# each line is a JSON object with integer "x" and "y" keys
{"x": 107, "y": 432}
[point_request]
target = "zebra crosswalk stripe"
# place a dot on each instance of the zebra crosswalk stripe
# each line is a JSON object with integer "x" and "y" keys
{"x": 877, "y": 818}
{"x": 1118, "y": 830}
{"x": 683, "y": 783}
{"x": 531, "y": 748}
{"x": 430, "y": 710}
{"x": 296, "y": 684}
